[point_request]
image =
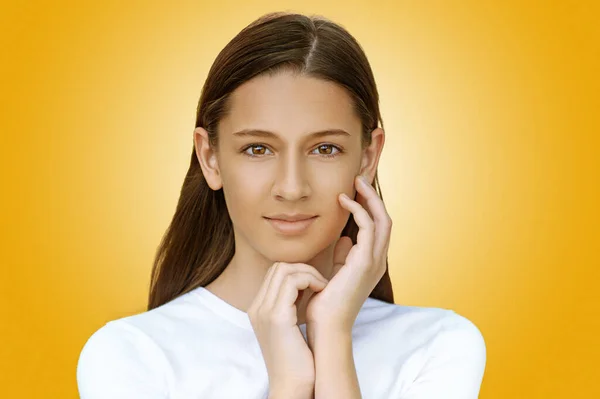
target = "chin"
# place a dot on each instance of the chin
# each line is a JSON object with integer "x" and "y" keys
{"x": 288, "y": 254}
{"x": 293, "y": 251}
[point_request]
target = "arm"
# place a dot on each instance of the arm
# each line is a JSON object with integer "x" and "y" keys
{"x": 334, "y": 363}
{"x": 290, "y": 394}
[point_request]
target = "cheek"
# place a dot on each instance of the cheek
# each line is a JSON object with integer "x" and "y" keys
{"x": 341, "y": 180}
{"x": 242, "y": 195}
{"x": 334, "y": 216}
{"x": 331, "y": 185}
{"x": 245, "y": 194}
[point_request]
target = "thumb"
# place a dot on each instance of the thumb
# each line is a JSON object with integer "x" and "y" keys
{"x": 340, "y": 252}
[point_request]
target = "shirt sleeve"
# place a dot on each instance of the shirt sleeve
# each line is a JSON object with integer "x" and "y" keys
{"x": 454, "y": 365}
{"x": 119, "y": 361}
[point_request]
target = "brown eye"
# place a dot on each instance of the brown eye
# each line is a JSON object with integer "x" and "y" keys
{"x": 326, "y": 146}
{"x": 261, "y": 150}
{"x": 326, "y": 150}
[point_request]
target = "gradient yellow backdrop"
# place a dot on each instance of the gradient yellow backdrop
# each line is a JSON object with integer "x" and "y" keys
{"x": 490, "y": 170}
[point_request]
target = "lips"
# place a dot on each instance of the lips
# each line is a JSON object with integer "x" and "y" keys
{"x": 286, "y": 227}
{"x": 289, "y": 217}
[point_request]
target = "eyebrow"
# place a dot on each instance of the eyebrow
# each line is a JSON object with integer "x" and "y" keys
{"x": 267, "y": 134}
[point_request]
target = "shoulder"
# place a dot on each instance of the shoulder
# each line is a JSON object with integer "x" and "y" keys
{"x": 127, "y": 356}
{"x": 118, "y": 338}
{"x": 460, "y": 342}
{"x": 422, "y": 322}
{"x": 434, "y": 324}
{"x": 455, "y": 360}
{"x": 119, "y": 360}
{"x": 459, "y": 330}
{"x": 449, "y": 350}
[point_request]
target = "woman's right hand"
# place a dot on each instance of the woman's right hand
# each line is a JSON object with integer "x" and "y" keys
{"x": 274, "y": 318}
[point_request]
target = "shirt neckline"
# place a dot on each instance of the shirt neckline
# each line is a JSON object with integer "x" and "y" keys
{"x": 224, "y": 309}
{"x": 237, "y": 316}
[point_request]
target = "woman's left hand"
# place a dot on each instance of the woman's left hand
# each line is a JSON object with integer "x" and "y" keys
{"x": 356, "y": 269}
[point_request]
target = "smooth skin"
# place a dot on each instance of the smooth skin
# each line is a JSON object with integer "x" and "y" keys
{"x": 331, "y": 312}
{"x": 356, "y": 269}
{"x": 289, "y": 360}
{"x": 294, "y": 172}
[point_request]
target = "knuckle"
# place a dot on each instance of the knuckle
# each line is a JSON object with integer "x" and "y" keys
{"x": 259, "y": 314}
{"x": 375, "y": 267}
{"x": 382, "y": 268}
{"x": 388, "y": 228}
{"x": 309, "y": 268}
{"x": 276, "y": 317}
{"x": 283, "y": 267}
{"x": 262, "y": 314}
{"x": 288, "y": 279}
{"x": 371, "y": 226}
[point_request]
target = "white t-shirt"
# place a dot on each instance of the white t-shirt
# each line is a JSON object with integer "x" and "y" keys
{"x": 199, "y": 346}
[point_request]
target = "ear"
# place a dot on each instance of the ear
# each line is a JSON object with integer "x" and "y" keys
{"x": 371, "y": 154}
{"x": 207, "y": 158}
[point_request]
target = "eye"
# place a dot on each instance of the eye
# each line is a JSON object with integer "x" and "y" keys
{"x": 252, "y": 153}
{"x": 329, "y": 148}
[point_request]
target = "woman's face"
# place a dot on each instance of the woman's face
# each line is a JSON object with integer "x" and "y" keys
{"x": 290, "y": 170}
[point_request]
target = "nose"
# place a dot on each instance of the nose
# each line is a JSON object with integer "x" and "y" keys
{"x": 291, "y": 181}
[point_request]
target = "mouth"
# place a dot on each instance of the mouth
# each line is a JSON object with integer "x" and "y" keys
{"x": 287, "y": 227}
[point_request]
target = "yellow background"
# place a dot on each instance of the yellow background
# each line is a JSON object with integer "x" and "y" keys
{"x": 490, "y": 170}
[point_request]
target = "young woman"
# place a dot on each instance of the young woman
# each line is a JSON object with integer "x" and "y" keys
{"x": 272, "y": 279}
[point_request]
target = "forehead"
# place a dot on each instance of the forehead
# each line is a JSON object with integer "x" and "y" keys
{"x": 291, "y": 105}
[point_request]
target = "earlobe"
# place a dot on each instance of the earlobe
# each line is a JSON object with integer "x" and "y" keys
{"x": 207, "y": 158}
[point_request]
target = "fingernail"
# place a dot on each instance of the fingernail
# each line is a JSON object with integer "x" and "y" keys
{"x": 364, "y": 179}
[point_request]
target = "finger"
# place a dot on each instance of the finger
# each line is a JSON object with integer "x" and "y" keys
{"x": 279, "y": 275}
{"x": 360, "y": 198}
{"x": 291, "y": 286}
{"x": 366, "y": 226}
{"x": 260, "y": 296}
{"x": 340, "y": 253}
{"x": 380, "y": 216}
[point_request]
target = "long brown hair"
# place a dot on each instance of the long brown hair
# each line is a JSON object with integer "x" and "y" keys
{"x": 199, "y": 243}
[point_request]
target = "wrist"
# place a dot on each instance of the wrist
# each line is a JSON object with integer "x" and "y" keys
{"x": 302, "y": 392}
{"x": 329, "y": 342}
{"x": 329, "y": 331}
